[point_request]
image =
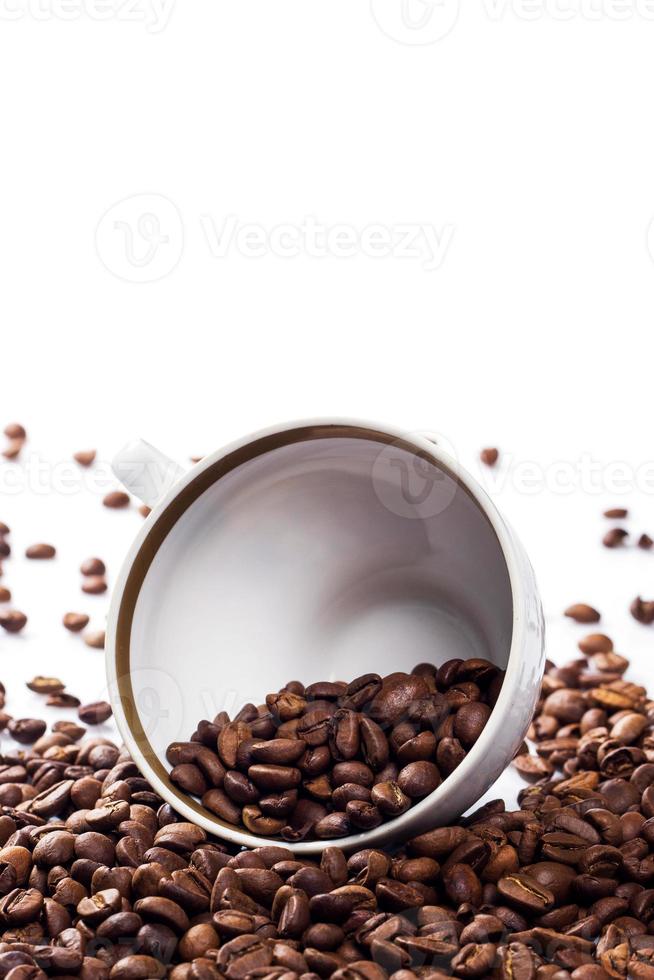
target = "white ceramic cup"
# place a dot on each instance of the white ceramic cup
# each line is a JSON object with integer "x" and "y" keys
{"x": 316, "y": 550}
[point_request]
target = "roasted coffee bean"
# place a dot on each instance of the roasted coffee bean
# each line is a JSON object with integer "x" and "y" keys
{"x": 418, "y": 779}
{"x": 94, "y": 585}
{"x": 40, "y": 551}
{"x": 489, "y": 456}
{"x": 526, "y": 893}
{"x": 389, "y": 798}
{"x": 642, "y": 610}
{"x": 12, "y": 620}
{"x": 94, "y": 714}
{"x": 615, "y": 537}
{"x": 26, "y": 730}
{"x": 582, "y": 613}
{"x": 75, "y": 621}
{"x": 115, "y": 499}
{"x": 95, "y": 639}
{"x": 45, "y": 685}
{"x": 93, "y": 566}
{"x": 84, "y": 457}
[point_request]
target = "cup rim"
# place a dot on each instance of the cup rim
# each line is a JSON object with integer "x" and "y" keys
{"x": 399, "y": 827}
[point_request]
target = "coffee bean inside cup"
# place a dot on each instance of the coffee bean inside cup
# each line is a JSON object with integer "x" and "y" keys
{"x": 334, "y": 758}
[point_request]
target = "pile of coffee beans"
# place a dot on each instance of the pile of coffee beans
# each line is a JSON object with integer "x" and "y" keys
{"x": 332, "y": 758}
{"x": 101, "y": 880}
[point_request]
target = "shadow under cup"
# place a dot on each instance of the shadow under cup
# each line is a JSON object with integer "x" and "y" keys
{"x": 319, "y": 553}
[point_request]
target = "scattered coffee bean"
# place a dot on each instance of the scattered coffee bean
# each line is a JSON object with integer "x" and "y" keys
{"x": 116, "y": 499}
{"x": 45, "y": 685}
{"x": 62, "y": 699}
{"x": 13, "y": 448}
{"x": 94, "y": 585}
{"x": 95, "y": 639}
{"x": 5, "y": 594}
{"x": 615, "y": 537}
{"x": 75, "y": 621}
{"x": 618, "y": 513}
{"x": 338, "y": 757}
{"x": 93, "y": 566}
{"x": 40, "y": 551}
{"x": 645, "y": 542}
{"x": 489, "y": 456}
{"x": 14, "y": 430}
{"x": 26, "y": 730}
{"x": 595, "y": 643}
{"x": 144, "y": 510}
{"x": 582, "y": 613}
{"x": 95, "y": 713}
{"x": 84, "y": 457}
{"x": 642, "y": 610}
{"x": 12, "y": 620}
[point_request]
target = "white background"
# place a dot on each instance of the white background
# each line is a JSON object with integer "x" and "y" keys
{"x": 159, "y": 170}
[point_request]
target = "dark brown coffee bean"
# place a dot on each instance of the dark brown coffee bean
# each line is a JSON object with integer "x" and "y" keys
{"x": 582, "y": 613}
{"x": 526, "y": 893}
{"x": 397, "y": 693}
{"x": 279, "y": 751}
{"x": 469, "y": 722}
{"x": 45, "y": 685}
{"x": 84, "y": 457}
{"x": 26, "y": 730}
{"x": 462, "y": 884}
{"x": 93, "y": 566}
{"x": 217, "y": 801}
{"x": 12, "y": 620}
{"x": 274, "y": 778}
{"x": 642, "y": 610}
{"x": 239, "y": 788}
{"x": 189, "y": 778}
{"x": 615, "y": 537}
{"x": 489, "y": 456}
{"x": 645, "y": 542}
{"x": 518, "y": 963}
{"x": 40, "y": 551}
{"x": 94, "y": 585}
{"x": 418, "y": 779}
{"x": 14, "y": 430}
{"x": 344, "y": 734}
{"x": 95, "y": 639}
{"x": 95, "y": 713}
{"x": 362, "y": 690}
{"x": 363, "y": 814}
{"x": 240, "y": 956}
{"x": 595, "y": 643}
{"x": 115, "y": 499}
{"x": 449, "y": 754}
{"x": 75, "y": 621}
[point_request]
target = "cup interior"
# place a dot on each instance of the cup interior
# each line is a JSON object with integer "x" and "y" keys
{"x": 321, "y": 557}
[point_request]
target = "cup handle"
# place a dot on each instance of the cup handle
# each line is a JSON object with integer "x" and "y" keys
{"x": 145, "y": 471}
